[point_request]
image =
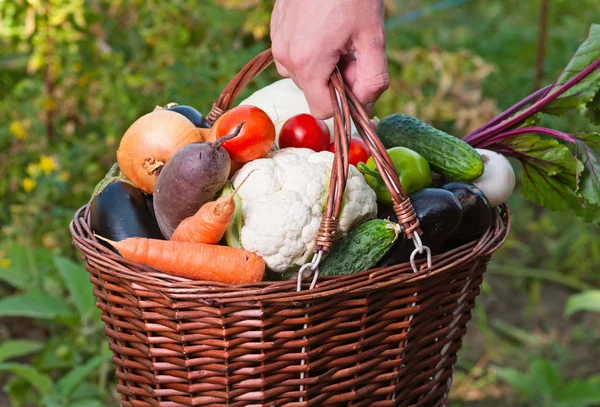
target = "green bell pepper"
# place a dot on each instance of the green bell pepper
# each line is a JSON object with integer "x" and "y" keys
{"x": 413, "y": 171}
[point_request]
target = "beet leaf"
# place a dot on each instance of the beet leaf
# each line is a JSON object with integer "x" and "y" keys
{"x": 560, "y": 171}
{"x": 550, "y": 171}
{"x": 588, "y": 152}
{"x": 593, "y": 110}
{"x": 584, "y": 92}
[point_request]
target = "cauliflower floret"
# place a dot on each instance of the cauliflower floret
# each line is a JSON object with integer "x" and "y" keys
{"x": 283, "y": 202}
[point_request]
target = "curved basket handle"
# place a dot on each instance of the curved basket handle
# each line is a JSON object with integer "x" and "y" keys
{"x": 346, "y": 108}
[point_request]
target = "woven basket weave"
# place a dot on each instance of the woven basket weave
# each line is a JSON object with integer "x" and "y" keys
{"x": 382, "y": 337}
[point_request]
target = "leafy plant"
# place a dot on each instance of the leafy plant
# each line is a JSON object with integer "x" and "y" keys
{"x": 53, "y": 295}
{"x": 584, "y": 301}
{"x": 553, "y": 176}
{"x": 74, "y": 74}
{"x": 543, "y": 386}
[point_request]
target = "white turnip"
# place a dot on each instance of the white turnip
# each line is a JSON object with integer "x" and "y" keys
{"x": 498, "y": 179}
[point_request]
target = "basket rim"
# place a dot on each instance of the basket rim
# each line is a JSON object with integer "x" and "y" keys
{"x": 98, "y": 257}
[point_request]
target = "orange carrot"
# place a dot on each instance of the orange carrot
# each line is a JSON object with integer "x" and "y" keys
{"x": 198, "y": 261}
{"x": 210, "y": 223}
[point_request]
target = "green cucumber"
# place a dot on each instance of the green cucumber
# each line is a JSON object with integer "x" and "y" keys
{"x": 361, "y": 248}
{"x": 446, "y": 154}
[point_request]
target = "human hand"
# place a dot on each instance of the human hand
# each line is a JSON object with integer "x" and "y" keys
{"x": 310, "y": 37}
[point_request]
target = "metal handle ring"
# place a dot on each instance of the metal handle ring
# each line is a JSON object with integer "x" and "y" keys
{"x": 419, "y": 248}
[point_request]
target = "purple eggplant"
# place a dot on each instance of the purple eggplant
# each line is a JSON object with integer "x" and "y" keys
{"x": 121, "y": 211}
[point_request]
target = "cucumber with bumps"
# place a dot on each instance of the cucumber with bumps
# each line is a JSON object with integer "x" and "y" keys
{"x": 361, "y": 248}
{"x": 446, "y": 154}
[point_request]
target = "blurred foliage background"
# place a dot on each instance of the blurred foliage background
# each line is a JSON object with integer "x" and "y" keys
{"x": 74, "y": 74}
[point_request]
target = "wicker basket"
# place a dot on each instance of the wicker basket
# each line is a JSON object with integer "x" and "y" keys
{"x": 382, "y": 337}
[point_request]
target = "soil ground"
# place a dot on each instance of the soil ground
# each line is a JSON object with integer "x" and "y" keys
{"x": 547, "y": 323}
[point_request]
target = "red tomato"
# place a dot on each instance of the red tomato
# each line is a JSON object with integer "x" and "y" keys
{"x": 304, "y": 131}
{"x": 255, "y": 139}
{"x": 359, "y": 152}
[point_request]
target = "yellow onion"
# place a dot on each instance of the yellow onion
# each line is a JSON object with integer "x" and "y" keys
{"x": 149, "y": 143}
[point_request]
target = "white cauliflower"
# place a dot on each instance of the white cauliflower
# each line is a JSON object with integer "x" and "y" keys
{"x": 283, "y": 202}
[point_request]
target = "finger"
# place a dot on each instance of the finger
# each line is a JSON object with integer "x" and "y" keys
{"x": 348, "y": 67}
{"x": 312, "y": 76}
{"x": 369, "y": 107}
{"x": 280, "y": 52}
{"x": 372, "y": 77}
{"x": 279, "y": 45}
{"x": 348, "y": 70}
{"x": 276, "y": 17}
{"x": 282, "y": 70}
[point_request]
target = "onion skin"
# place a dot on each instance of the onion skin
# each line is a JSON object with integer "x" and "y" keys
{"x": 204, "y": 133}
{"x": 150, "y": 142}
